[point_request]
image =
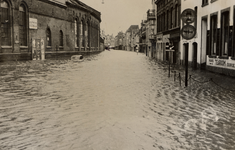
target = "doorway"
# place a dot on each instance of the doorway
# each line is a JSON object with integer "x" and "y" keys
{"x": 194, "y": 65}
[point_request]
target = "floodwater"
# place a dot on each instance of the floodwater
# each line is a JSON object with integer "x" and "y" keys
{"x": 115, "y": 100}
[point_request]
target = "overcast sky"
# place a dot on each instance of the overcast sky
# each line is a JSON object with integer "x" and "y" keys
{"x": 119, "y": 15}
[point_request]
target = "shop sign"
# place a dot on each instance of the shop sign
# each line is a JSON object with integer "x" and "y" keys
{"x": 33, "y": 23}
{"x": 223, "y": 63}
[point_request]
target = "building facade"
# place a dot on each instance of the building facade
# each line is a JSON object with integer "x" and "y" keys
{"x": 151, "y": 31}
{"x": 41, "y": 29}
{"x": 143, "y": 41}
{"x": 130, "y": 37}
{"x": 119, "y": 41}
{"x": 168, "y": 29}
{"x": 213, "y": 46}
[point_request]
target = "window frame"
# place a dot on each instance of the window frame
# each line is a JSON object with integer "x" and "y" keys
{"x": 225, "y": 26}
{"x": 48, "y": 37}
{"x": 5, "y": 26}
{"x": 61, "y": 45}
{"x": 23, "y": 27}
{"x": 205, "y": 3}
{"x": 214, "y": 33}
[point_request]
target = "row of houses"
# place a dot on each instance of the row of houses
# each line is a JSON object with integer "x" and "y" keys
{"x": 213, "y": 36}
{"x": 42, "y": 29}
{"x": 126, "y": 40}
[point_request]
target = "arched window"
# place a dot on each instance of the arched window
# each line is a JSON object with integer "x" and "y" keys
{"x": 22, "y": 26}
{"x": 88, "y": 34}
{"x": 83, "y": 33}
{"x": 48, "y": 34}
{"x": 61, "y": 38}
{"x": 76, "y": 32}
{"x": 5, "y": 30}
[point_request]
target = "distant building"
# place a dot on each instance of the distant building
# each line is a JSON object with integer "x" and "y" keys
{"x": 119, "y": 41}
{"x": 109, "y": 41}
{"x": 143, "y": 41}
{"x": 41, "y": 29}
{"x": 130, "y": 37}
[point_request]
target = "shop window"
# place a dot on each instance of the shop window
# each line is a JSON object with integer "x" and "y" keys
{"x": 22, "y": 26}
{"x": 48, "y": 34}
{"x": 213, "y": 34}
{"x": 225, "y": 32}
{"x": 5, "y": 24}
{"x": 61, "y": 39}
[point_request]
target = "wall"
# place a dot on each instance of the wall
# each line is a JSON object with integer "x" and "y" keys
{"x": 56, "y": 17}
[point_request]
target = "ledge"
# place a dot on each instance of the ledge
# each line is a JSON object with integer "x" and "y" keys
{"x": 23, "y": 46}
{"x": 213, "y": 1}
{"x": 223, "y": 57}
{"x": 6, "y": 47}
{"x": 212, "y": 56}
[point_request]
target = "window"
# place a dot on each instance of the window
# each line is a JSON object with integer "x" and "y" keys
{"x": 225, "y": 32}
{"x": 167, "y": 19}
{"x": 5, "y": 24}
{"x": 204, "y": 2}
{"x": 76, "y": 32}
{"x": 213, "y": 34}
{"x": 88, "y": 34}
{"x": 61, "y": 38}
{"x": 83, "y": 33}
{"x": 48, "y": 34}
{"x": 172, "y": 17}
{"x": 22, "y": 26}
{"x": 176, "y": 15}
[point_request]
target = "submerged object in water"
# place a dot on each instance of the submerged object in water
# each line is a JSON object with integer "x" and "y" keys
{"x": 77, "y": 58}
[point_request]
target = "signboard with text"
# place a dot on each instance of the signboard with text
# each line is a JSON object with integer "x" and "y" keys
{"x": 33, "y": 23}
{"x": 222, "y": 63}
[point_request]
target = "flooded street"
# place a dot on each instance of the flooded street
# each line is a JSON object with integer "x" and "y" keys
{"x": 116, "y": 100}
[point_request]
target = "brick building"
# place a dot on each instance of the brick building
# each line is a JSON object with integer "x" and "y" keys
{"x": 41, "y": 29}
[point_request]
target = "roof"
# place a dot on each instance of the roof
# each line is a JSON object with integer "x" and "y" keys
{"x": 133, "y": 27}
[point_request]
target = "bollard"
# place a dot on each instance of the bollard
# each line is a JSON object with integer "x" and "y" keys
{"x": 174, "y": 75}
{"x": 190, "y": 83}
{"x": 180, "y": 79}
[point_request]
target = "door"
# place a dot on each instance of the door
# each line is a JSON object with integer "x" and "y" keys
{"x": 194, "y": 55}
